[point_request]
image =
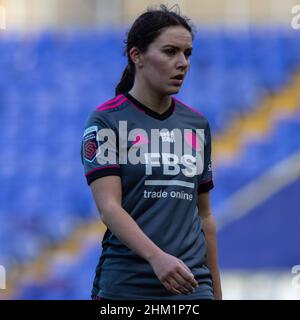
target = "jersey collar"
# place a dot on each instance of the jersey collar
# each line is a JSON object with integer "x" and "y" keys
{"x": 150, "y": 112}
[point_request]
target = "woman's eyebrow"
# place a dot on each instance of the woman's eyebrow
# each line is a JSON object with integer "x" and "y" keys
{"x": 175, "y": 47}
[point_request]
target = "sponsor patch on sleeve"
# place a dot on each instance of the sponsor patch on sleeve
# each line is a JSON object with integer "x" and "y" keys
{"x": 90, "y": 144}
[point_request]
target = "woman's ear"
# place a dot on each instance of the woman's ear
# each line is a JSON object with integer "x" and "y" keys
{"x": 136, "y": 57}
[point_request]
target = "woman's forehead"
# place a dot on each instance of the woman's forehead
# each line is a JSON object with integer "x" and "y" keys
{"x": 174, "y": 36}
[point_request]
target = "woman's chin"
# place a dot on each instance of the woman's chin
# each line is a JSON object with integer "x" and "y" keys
{"x": 173, "y": 90}
{"x": 170, "y": 90}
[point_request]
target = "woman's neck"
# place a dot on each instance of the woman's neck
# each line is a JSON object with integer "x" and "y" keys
{"x": 152, "y": 100}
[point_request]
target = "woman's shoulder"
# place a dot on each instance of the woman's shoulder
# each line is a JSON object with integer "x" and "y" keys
{"x": 109, "y": 107}
{"x": 112, "y": 104}
{"x": 106, "y": 114}
{"x": 193, "y": 111}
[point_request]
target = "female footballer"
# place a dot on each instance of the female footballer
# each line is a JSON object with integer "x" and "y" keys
{"x": 147, "y": 159}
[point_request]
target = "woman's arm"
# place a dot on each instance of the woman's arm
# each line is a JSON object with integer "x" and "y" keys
{"x": 209, "y": 229}
{"x": 171, "y": 271}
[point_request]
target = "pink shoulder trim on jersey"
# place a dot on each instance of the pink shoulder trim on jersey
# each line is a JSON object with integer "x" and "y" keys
{"x": 113, "y": 106}
{"x": 96, "y": 169}
{"x": 192, "y": 109}
{"x": 111, "y": 101}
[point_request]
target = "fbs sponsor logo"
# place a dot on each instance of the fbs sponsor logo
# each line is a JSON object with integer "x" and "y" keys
{"x": 172, "y": 165}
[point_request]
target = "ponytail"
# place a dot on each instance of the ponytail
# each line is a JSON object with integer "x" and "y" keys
{"x": 127, "y": 80}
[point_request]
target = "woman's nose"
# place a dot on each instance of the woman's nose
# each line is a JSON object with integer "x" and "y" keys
{"x": 182, "y": 61}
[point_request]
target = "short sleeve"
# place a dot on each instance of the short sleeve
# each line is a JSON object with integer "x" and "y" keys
{"x": 206, "y": 181}
{"x": 99, "y": 152}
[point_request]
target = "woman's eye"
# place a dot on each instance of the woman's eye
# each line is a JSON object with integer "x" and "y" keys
{"x": 171, "y": 52}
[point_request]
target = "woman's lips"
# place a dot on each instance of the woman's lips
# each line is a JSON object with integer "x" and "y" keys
{"x": 177, "y": 81}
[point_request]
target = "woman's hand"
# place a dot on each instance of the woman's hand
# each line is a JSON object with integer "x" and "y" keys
{"x": 173, "y": 273}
